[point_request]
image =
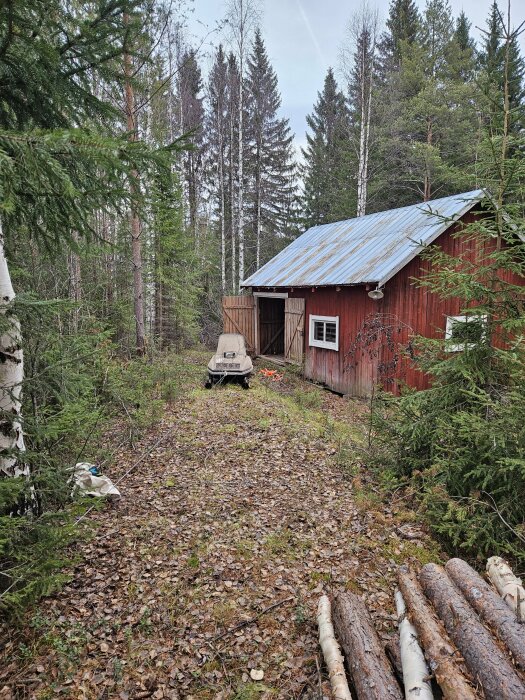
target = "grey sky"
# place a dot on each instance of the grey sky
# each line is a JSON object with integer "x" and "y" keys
{"x": 303, "y": 38}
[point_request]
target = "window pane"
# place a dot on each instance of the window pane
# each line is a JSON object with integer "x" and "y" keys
{"x": 330, "y": 332}
{"x": 318, "y": 330}
{"x": 468, "y": 331}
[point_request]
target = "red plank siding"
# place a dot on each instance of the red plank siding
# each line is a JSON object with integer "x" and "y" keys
{"x": 369, "y": 355}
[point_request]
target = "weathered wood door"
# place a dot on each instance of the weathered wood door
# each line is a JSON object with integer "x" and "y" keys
{"x": 238, "y": 316}
{"x": 294, "y": 330}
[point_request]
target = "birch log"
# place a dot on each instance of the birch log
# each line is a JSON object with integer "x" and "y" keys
{"x": 490, "y": 607}
{"x": 489, "y": 665}
{"x": 416, "y": 676}
{"x": 331, "y": 652}
{"x": 12, "y": 445}
{"x": 509, "y": 586}
{"x": 441, "y": 654}
{"x": 370, "y": 670}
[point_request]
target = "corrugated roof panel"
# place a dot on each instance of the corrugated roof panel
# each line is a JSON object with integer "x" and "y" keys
{"x": 371, "y": 248}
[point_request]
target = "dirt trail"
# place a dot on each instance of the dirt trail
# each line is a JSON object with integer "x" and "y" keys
{"x": 244, "y": 504}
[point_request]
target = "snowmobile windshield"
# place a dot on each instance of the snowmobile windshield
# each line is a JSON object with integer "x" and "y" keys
{"x": 231, "y": 343}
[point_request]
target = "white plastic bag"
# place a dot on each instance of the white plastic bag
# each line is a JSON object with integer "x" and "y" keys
{"x": 91, "y": 485}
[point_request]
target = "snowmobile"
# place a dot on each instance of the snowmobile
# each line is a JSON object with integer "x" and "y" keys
{"x": 231, "y": 362}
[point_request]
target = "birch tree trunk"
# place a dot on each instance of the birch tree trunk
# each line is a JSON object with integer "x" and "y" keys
{"x": 427, "y": 183}
{"x": 367, "y": 62}
{"x": 75, "y": 283}
{"x": 136, "y": 242}
{"x": 358, "y": 57}
{"x": 223, "y": 214}
{"x": 233, "y": 232}
{"x": 240, "y": 164}
{"x": 12, "y": 445}
{"x": 242, "y": 15}
{"x": 258, "y": 208}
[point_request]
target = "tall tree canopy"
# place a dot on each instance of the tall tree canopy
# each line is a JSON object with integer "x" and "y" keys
{"x": 327, "y": 173}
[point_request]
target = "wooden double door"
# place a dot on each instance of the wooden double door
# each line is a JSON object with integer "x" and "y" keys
{"x": 270, "y": 325}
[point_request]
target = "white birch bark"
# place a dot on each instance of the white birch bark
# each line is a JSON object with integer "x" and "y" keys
{"x": 258, "y": 225}
{"x": 415, "y": 670}
{"x": 357, "y": 56}
{"x": 240, "y": 163}
{"x": 364, "y": 141}
{"x": 258, "y": 208}
{"x": 220, "y": 127}
{"x": 243, "y": 15}
{"x": 233, "y": 231}
{"x": 331, "y": 651}
{"x": 509, "y": 587}
{"x": 12, "y": 445}
{"x": 75, "y": 283}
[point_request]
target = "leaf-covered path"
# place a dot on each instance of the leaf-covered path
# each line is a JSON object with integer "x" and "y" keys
{"x": 246, "y": 511}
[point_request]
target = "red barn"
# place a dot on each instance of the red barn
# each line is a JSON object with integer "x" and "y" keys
{"x": 342, "y": 299}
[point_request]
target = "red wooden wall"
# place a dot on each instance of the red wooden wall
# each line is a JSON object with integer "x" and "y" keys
{"x": 370, "y": 354}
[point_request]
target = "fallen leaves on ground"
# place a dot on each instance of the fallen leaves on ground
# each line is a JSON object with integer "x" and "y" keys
{"x": 203, "y": 581}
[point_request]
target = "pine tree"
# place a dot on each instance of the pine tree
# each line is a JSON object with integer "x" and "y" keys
{"x": 327, "y": 168}
{"x": 269, "y": 152}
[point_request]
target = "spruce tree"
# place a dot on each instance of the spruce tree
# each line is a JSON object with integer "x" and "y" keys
{"x": 436, "y": 34}
{"x": 192, "y": 119}
{"x": 233, "y": 77}
{"x": 403, "y": 25}
{"x": 492, "y": 61}
{"x": 217, "y": 140}
{"x": 327, "y": 171}
{"x": 461, "y": 54}
{"x": 270, "y": 161}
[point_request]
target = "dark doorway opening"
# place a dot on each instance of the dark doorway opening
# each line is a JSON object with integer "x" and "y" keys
{"x": 271, "y": 326}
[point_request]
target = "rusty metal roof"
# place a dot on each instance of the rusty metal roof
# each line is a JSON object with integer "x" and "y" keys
{"x": 369, "y": 249}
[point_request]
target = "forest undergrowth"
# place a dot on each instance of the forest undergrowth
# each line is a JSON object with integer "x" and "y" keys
{"x": 239, "y": 508}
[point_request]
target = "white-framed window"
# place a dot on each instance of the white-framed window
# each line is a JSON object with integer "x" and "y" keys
{"x": 465, "y": 332}
{"x": 324, "y": 332}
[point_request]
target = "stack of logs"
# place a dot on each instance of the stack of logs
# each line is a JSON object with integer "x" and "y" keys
{"x": 458, "y": 638}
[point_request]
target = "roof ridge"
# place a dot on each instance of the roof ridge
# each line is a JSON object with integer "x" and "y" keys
{"x": 367, "y": 249}
{"x": 416, "y": 205}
